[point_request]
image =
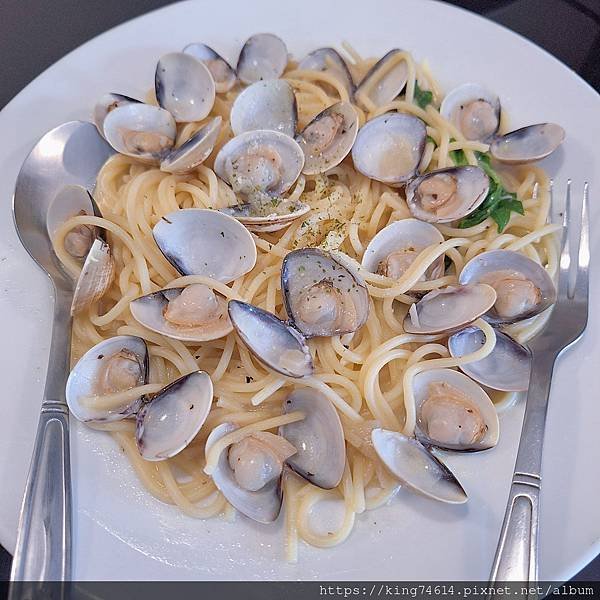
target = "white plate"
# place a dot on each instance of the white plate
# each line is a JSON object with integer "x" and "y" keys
{"x": 121, "y": 532}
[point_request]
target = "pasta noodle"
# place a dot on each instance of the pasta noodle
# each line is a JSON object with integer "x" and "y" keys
{"x": 368, "y": 375}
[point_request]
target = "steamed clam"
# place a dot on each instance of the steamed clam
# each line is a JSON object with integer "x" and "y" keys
{"x": 528, "y": 144}
{"x": 106, "y": 104}
{"x": 328, "y": 60}
{"x": 321, "y": 296}
{"x": 412, "y": 464}
{"x": 453, "y": 412}
{"x": 222, "y": 72}
{"x": 195, "y": 313}
{"x": 523, "y": 287}
{"x": 170, "y": 419}
{"x": 449, "y": 309}
{"x": 389, "y": 148}
{"x": 184, "y": 86}
{"x": 263, "y": 56}
{"x": 260, "y": 162}
{"x": 112, "y": 366}
{"x": 447, "y": 194}
{"x": 506, "y": 368}
{"x": 395, "y": 247}
{"x": 275, "y": 343}
{"x": 328, "y": 138}
{"x": 473, "y": 110}
{"x": 248, "y": 473}
{"x": 384, "y": 81}
{"x": 267, "y": 214}
{"x": 199, "y": 241}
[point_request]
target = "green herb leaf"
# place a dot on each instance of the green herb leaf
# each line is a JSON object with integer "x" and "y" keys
{"x": 422, "y": 97}
{"x": 458, "y": 156}
{"x": 430, "y": 139}
{"x": 498, "y": 204}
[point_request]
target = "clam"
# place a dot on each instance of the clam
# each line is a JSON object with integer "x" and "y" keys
{"x": 410, "y": 462}
{"x": 389, "y": 148}
{"x": 322, "y": 297}
{"x": 263, "y": 56}
{"x": 268, "y": 214}
{"x": 204, "y": 242}
{"x": 528, "y": 144}
{"x": 473, "y": 110}
{"x": 267, "y": 104}
{"x": 184, "y": 86}
{"x": 222, "y": 72}
{"x": 447, "y": 194}
{"x": 248, "y": 473}
{"x": 453, "y": 412}
{"x": 114, "y": 365}
{"x": 449, "y": 309}
{"x": 192, "y": 314}
{"x": 523, "y": 287}
{"x": 318, "y": 438}
{"x": 394, "y": 249}
{"x": 383, "y": 82}
{"x": 71, "y": 201}
{"x": 194, "y": 151}
{"x": 506, "y": 368}
{"x": 141, "y": 131}
{"x": 95, "y": 278}
{"x": 260, "y": 161}
{"x": 329, "y": 61}
{"x": 106, "y": 104}
{"x": 275, "y": 343}
{"x": 328, "y": 138}
{"x": 170, "y": 419}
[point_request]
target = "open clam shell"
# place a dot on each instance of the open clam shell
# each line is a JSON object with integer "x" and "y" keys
{"x": 267, "y": 216}
{"x": 267, "y": 104}
{"x": 454, "y": 412}
{"x": 171, "y": 418}
{"x": 328, "y": 138}
{"x": 528, "y": 144}
{"x": 321, "y": 296}
{"x": 184, "y": 86}
{"x": 318, "y": 438}
{"x": 397, "y": 245}
{"x": 194, "y": 151}
{"x": 473, "y": 110}
{"x": 116, "y": 364}
{"x": 329, "y": 61}
{"x": 260, "y": 162}
{"x": 447, "y": 195}
{"x": 410, "y": 462}
{"x": 383, "y": 82}
{"x": 199, "y": 241}
{"x": 275, "y": 343}
{"x": 449, "y": 309}
{"x": 262, "y": 505}
{"x": 263, "y": 56}
{"x": 192, "y": 314}
{"x": 389, "y": 148}
{"x": 95, "y": 278}
{"x": 141, "y": 131}
{"x": 507, "y": 368}
{"x": 523, "y": 287}
{"x": 106, "y": 104}
{"x": 222, "y": 72}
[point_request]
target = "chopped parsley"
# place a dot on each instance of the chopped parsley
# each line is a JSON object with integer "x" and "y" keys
{"x": 423, "y": 98}
{"x": 498, "y": 204}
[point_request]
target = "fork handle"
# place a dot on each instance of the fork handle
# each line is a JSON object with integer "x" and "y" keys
{"x": 517, "y": 552}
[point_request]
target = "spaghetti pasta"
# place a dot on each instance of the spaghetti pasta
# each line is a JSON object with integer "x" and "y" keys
{"x": 368, "y": 375}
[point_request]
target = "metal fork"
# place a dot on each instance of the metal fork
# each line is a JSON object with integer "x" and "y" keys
{"x": 517, "y": 553}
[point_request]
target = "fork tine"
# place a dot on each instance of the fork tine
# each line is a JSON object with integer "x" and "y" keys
{"x": 582, "y": 282}
{"x": 565, "y": 254}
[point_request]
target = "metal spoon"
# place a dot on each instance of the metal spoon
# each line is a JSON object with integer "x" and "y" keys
{"x": 71, "y": 154}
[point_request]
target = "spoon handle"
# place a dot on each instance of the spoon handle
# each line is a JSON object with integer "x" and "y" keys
{"x": 43, "y": 549}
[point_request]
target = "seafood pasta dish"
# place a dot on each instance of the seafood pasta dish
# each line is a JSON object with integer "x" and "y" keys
{"x": 297, "y": 278}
